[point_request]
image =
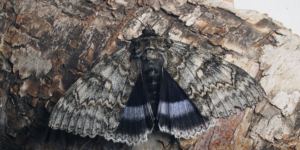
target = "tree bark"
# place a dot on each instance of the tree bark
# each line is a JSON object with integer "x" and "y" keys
{"x": 47, "y": 45}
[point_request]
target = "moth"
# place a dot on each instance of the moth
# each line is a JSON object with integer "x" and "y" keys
{"x": 155, "y": 84}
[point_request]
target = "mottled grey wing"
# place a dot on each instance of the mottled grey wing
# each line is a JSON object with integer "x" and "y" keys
{"x": 215, "y": 86}
{"x": 95, "y": 103}
{"x": 177, "y": 115}
{"x": 137, "y": 119}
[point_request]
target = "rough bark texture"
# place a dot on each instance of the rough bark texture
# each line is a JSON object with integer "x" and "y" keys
{"x": 46, "y": 45}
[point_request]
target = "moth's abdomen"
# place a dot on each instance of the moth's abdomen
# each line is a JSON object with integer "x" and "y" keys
{"x": 152, "y": 63}
{"x": 152, "y": 79}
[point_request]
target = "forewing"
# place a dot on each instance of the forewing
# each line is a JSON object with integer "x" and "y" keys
{"x": 137, "y": 119}
{"x": 177, "y": 115}
{"x": 215, "y": 86}
{"x": 93, "y": 105}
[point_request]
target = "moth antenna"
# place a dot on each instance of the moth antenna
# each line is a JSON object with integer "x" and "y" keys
{"x": 180, "y": 39}
{"x": 157, "y": 21}
{"x": 166, "y": 13}
{"x": 136, "y": 18}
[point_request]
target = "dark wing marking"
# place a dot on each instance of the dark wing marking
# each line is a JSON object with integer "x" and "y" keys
{"x": 215, "y": 86}
{"x": 177, "y": 115}
{"x": 93, "y": 105}
{"x": 136, "y": 121}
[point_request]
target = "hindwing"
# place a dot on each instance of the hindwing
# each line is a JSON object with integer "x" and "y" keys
{"x": 137, "y": 119}
{"x": 177, "y": 115}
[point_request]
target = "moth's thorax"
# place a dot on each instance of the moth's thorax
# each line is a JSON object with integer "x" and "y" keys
{"x": 140, "y": 45}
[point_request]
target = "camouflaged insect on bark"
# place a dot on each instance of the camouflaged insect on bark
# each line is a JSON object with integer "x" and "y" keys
{"x": 111, "y": 100}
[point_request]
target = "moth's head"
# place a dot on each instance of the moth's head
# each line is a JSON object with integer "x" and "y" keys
{"x": 148, "y": 32}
